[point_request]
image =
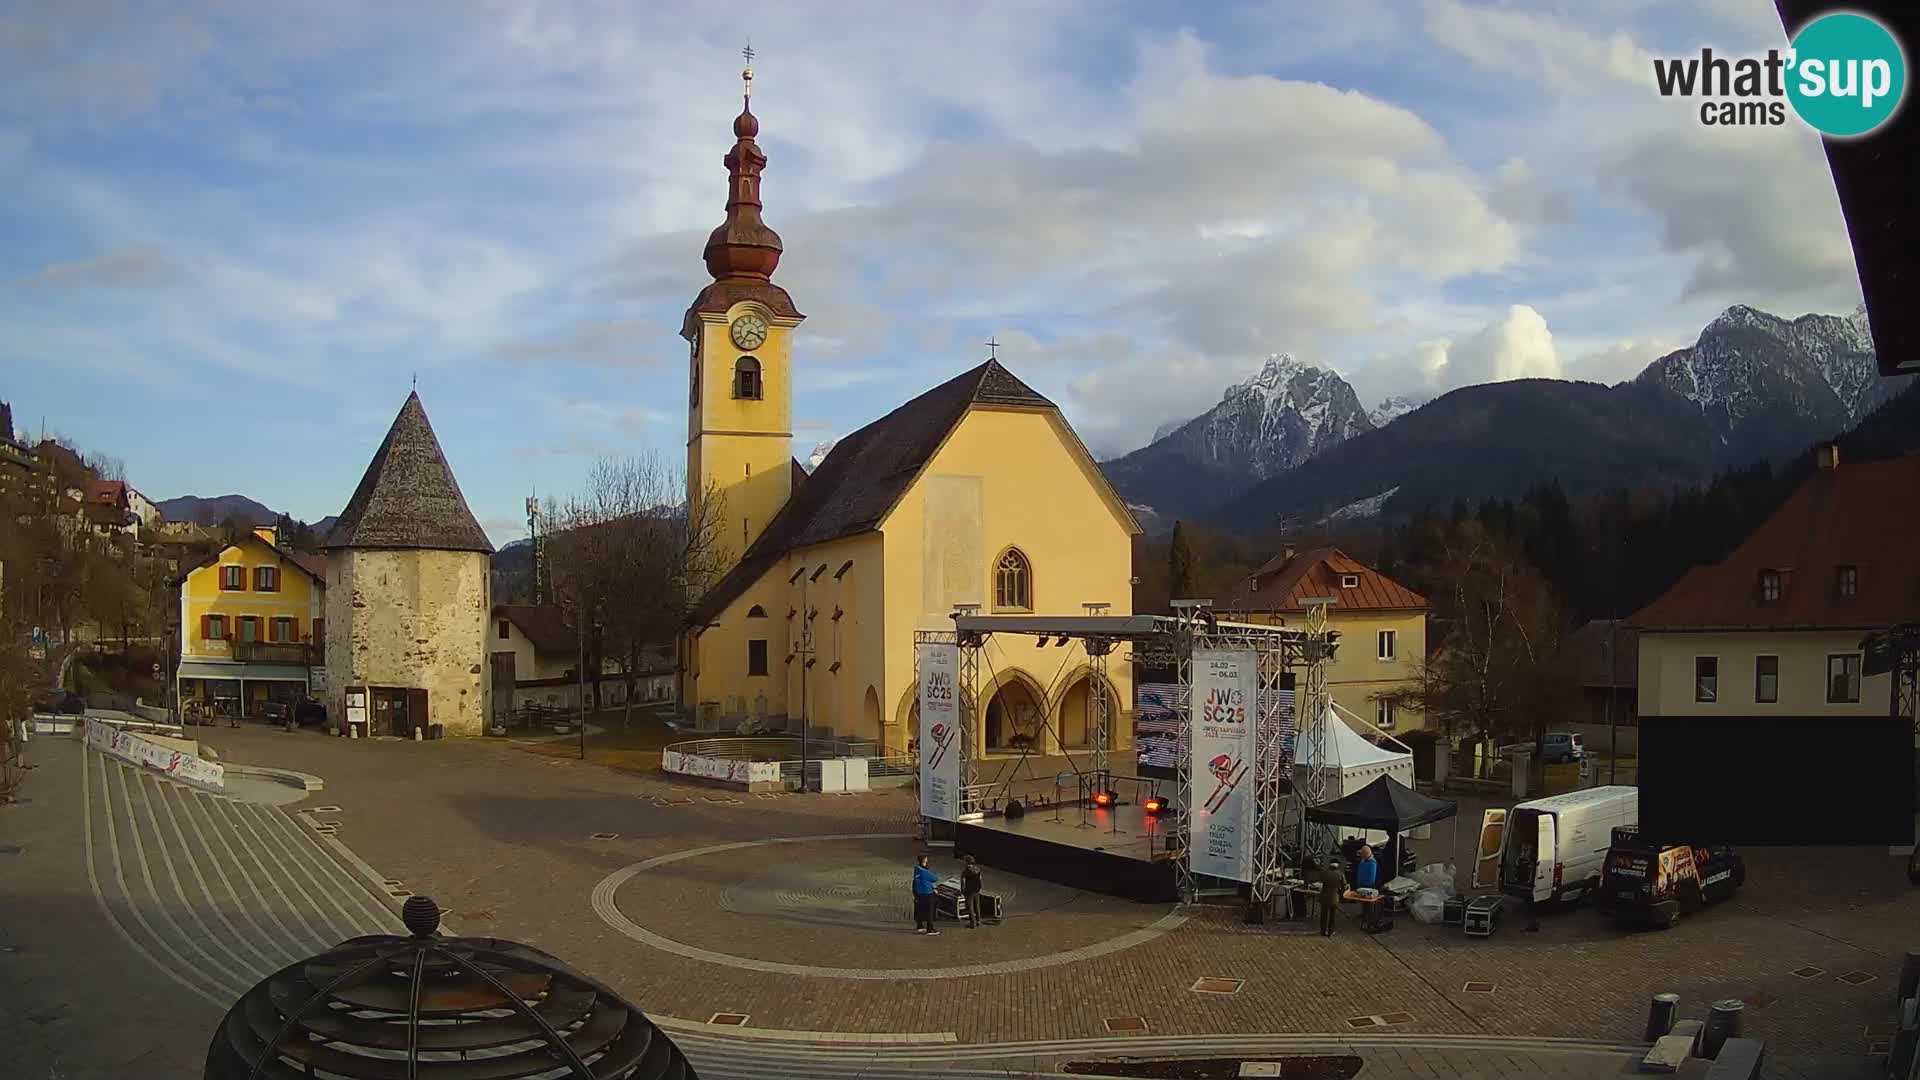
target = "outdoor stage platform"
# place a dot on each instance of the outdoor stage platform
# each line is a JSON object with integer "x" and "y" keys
{"x": 1120, "y": 851}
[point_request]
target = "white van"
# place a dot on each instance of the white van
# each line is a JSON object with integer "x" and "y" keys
{"x": 1553, "y": 848}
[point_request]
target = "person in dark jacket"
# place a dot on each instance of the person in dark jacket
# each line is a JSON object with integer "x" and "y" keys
{"x": 1333, "y": 885}
{"x": 923, "y": 880}
{"x": 970, "y": 888}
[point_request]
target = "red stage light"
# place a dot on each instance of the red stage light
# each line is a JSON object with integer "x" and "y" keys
{"x": 1103, "y": 798}
{"x": 1155, "y": 804}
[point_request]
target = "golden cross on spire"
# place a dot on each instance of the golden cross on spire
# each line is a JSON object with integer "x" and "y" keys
{"x": 746, "y": 74}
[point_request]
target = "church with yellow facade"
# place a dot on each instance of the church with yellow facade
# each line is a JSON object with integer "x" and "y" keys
{"x": 975, "y": 494}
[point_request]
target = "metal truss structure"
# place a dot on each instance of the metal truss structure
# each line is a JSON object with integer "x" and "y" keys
{"x": 1312, "y": 703}
{"x": 1170, "y": 642}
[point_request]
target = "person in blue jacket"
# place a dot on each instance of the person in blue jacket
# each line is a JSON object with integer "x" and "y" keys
{"x": 1366, "y": 872}
{"x": 1366, "y": 875}
{"x": 923, "y": 879}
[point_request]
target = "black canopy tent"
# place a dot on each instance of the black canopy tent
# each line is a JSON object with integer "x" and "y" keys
{"x": 1389, "y": 806}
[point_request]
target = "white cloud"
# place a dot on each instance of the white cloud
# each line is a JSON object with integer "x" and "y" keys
{"x": 1515, "y": 345}
{"x": 1617, "y": 361}
{"x": 1536, "y": 47}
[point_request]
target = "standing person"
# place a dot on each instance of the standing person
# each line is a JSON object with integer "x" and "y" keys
{"x": 1333, "y": 885}
{"x": 970, "y": 888}
{"x": 923, "y": 879}
{"x": 1366, "y": 875}
{"x": 1366, "y": 872}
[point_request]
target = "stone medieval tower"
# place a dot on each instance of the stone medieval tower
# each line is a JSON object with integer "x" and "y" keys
{"x": 408, "y": 592}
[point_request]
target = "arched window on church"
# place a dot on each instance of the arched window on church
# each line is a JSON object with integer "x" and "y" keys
{"x": 756, "y": 612}
{"x": 1013, "y": 582}
{"x": 746, "y": 378}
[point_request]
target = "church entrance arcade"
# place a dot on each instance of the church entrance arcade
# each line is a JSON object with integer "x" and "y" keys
{"x": 1015, "y": 717}
{"x": 1073, "y": 712}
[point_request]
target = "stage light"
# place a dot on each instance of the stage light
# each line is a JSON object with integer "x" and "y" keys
{"x": 1105, "y": 798}
{"x": 1155, "y": 804}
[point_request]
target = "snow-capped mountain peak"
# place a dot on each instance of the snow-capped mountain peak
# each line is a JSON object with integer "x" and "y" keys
{"x": 1749, "y": 365}
{"x": 1395, "y": 407}
{"x": 819, "y": 454}
{"x": 1285, "y": 413}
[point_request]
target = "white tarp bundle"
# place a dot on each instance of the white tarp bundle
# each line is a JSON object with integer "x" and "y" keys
{"x": 1353, "y": 763}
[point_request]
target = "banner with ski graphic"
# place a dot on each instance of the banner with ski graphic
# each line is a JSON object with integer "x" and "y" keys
{"x": 939, "y": 735}
{"x": 1226, "y": 685}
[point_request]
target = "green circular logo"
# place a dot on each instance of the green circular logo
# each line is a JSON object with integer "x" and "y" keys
{"x": 1847, "y": 74}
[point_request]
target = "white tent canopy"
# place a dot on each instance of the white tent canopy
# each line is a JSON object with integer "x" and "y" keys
{"x": 1353, "y": 763}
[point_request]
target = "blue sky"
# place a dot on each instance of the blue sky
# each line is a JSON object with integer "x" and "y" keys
{"x": 236, "y": 232}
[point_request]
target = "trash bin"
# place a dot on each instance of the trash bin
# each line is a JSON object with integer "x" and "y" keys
{"x": 1723, "y": 1023}
{"x": 434, "y": 731}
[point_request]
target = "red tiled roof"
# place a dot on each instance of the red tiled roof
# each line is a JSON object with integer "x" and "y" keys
{"x": 107, "y": 492}
{"x": 1285, "y": 583}
{"x": 315, "y": 565}
{"x": 1866, "y": 516}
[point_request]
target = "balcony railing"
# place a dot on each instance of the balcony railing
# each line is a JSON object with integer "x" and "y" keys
{"x": 275, "y": 652}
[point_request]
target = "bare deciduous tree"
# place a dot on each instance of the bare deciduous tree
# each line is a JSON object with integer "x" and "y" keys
{"x": 626, "y": 556}
{"x": 1498, "y": 674}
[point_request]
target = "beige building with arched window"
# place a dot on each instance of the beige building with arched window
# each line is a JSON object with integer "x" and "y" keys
{"x": 977, "y": 492}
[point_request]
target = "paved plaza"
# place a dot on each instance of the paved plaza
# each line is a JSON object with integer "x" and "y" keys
{"x": 789, "y": 913}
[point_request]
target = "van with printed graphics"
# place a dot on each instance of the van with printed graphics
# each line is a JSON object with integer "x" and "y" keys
{"x": 1553, "y": 849}
{"x": 1654, "y": 884}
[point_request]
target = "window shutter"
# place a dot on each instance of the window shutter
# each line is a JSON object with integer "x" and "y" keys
{"x": 206, "y": 628}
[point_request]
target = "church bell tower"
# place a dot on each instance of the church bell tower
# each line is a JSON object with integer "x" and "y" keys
{"x": 740, "y": 375}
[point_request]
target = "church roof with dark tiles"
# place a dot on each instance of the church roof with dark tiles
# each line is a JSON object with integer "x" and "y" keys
{"x": 408, "y": 497}
{"x": 865, "y": 474}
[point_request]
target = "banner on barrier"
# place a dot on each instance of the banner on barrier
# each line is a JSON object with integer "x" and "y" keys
{"x": 175, "y": 763}
{"x": 728, "y": 769}
{"x": 1226, "y": 685}
{"x": 940, "y": 747}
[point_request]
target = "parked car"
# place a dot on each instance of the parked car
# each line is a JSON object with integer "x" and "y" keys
{"x": 62, "y": 702}
{"x": 278, "y": 713}
{"x": 1559, "y": 747}
{"x": 309, "y": 711}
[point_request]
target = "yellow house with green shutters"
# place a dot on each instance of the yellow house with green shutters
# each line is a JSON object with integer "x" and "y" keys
{"x": 252, "y": 626}
{"x": 977, "y": 492}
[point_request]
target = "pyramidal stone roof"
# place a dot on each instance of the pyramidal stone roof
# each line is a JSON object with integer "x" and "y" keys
{"x": 408, "y": 497}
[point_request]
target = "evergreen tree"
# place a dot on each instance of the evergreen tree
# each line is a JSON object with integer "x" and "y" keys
{"x": 1180, "y": 565}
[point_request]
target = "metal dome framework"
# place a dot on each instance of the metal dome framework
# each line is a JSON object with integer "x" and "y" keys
{"x": 426, "y": 1007}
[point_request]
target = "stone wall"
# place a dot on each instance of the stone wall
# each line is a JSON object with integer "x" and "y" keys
{"x": 414, "y": 619}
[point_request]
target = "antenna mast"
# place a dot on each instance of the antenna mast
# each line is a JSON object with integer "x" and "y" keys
{"x": 538, "y": 536}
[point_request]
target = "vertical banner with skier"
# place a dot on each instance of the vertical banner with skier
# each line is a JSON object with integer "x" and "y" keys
{"x": 1226, "y": 685}
{"x": 940, "y": 748}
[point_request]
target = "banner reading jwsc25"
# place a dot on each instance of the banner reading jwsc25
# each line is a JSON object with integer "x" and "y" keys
{"x": 1226, "y": 684}
{"x": 940, "y": 730}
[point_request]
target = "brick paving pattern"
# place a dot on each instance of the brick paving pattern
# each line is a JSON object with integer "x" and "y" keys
{"x": 506, "y": 841}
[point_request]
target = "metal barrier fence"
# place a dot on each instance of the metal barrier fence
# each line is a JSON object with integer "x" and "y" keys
{"x": 786, "y": 751}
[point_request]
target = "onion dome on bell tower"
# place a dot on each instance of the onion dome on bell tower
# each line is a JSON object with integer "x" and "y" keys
{"x": 743, "y": 247}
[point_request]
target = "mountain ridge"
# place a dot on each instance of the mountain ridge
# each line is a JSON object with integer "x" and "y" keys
{"x": 1286, "y": 413}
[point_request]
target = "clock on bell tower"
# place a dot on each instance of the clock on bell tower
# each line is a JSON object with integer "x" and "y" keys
{"x": 740, "y": 333}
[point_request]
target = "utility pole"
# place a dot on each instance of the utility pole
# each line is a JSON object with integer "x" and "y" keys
{"x": 803, "y": 651}
{"x": 580, "y": 692}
